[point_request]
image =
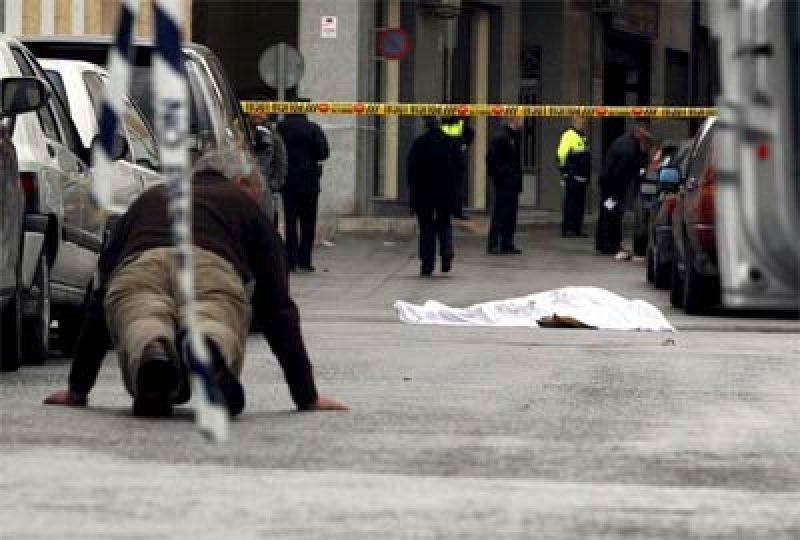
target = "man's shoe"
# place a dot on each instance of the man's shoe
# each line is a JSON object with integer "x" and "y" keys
{"x": 158, "y": 381}
{"x": 512, "y": 250}
{"x": 306, "y": 267}
{"x": 228, "y": 384}
{"x": 447, "y": 264}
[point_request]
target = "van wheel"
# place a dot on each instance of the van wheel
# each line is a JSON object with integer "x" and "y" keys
{"x": 639, "y": 244}
{"x": 36, "y": 326}
{"x": 11, "y": 324}
{"x": 662, "y": 271}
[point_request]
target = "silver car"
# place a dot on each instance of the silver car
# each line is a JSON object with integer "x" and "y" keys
{"x": 17, "y": 95}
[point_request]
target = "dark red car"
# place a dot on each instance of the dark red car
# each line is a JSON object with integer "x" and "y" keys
{"x": 695, "y": 274}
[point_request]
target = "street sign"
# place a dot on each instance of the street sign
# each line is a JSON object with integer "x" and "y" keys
{"x": 394, "y": 44}
{"x": 281, "y": 67}
{"x": 328, "y": 27}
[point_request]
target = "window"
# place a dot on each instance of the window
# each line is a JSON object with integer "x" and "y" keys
{"x": 143, "y": 144}
{"x": 45, "y": 115}
{"x": 676, "y": 78}
{"x": 57, "y": 82}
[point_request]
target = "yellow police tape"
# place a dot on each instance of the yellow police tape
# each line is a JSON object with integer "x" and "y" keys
{"x": 431, "y": 109}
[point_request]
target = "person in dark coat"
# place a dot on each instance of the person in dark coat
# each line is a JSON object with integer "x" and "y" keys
{"x": 458, "y": 129}
{"x": 625, "y": 158}
{"x": 306, "y": 146}
{"x": 433, "y": 169}
{"x": 503, "y": 165}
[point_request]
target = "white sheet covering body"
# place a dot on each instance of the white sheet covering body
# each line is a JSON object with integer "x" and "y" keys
{"x": 592, "y": 306}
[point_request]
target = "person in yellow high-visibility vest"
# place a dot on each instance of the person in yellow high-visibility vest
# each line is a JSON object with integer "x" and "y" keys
{"x": 457, "y": 129}
{"x": 575, "y": 164}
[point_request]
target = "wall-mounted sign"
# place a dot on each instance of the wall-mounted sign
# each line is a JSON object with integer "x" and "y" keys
{"x": 327, "y": 29}
{"x": 394, "y": 44}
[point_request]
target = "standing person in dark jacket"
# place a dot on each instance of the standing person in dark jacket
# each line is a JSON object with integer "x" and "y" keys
{"x": 433, "y": 179}
{"x": 463, "y": 135}
{"x": 306, "y": 146}
{"x": 238, "y": 266}
{"x": 504, "y": 166}
{"x": 575, "y": 164}
{"x": 624, "y": 159}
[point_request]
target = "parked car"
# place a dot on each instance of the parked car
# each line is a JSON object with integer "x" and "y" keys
{"x": 695, "y": 274}
{"x": 82, "y": 86}
{"x": 659, "y": 243}
{"x": 216, "y": 117}
{"x": 646, "y": 197}
{"x": 60, "y": 246}
{"x": 18, "y": 95}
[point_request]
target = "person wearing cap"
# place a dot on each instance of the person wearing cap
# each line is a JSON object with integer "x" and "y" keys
{"x": 624, "y": 159}
{"x": 433, "y": 171}
{"x": 239, "y": 270}
{"x": 575, "y": 164}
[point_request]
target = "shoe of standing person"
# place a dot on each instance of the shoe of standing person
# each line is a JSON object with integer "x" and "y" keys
{"x": 511, "y": 250}
{"x": 447, "y": 264}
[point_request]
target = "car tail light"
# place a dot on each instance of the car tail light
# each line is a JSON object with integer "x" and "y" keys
{"x": 762, "y": 151}
{"x": 670, "y": 204}
{"x": 30, "y": 185}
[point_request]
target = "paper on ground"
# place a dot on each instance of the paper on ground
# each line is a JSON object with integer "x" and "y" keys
{"x": 592, "y": 306}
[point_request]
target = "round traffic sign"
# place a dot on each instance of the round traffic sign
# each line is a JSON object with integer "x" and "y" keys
{"x": 281, "y": 65}
{"x": 394, "y": 44}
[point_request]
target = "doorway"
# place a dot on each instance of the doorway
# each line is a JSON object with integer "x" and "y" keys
{"x": 626, "y": 80}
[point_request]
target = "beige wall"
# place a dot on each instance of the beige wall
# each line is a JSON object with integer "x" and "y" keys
{"x": 99, "y": 17}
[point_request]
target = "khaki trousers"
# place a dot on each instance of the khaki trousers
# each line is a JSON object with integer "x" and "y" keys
{"x": 142, "y": 305}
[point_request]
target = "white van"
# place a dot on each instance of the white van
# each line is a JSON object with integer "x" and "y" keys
{"x": 758, "y": 177}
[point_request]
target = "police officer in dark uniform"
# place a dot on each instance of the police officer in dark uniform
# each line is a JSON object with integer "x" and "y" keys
{"x": 433, "y": 170}
{"x": 306, "y": 146}
{"x": 575, "y": 164}
{"x": 463, "y": 135}
{"x": 504, "y": 166}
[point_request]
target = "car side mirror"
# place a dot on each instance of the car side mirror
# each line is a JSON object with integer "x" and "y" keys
{"x": 22, "y": 94}
{"x": 119, "y": 146}
{"x": 669, "y": 177}
{"x": 263, "y": 140}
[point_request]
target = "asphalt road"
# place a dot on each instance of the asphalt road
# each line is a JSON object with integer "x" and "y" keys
{"x": 454, "y": 432}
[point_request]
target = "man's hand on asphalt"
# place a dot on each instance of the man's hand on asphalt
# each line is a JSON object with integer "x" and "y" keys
{"x": 329, "y": 404}
{"x": 67, "y": 398}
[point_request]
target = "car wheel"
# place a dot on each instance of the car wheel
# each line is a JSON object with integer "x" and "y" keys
{"x": 676, "y": 291}
{"x": 36, "y": 327}
{"x": 11, "y": 324}
{"x": 661, "y": 271}
{"x": 640, "y": 244}
{"x": 651, "y": 276}
{"x": 699, "y": 291}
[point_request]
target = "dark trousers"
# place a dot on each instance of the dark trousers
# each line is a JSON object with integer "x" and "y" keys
{"x": 608, "y": 237}
{"x": 574, "y": 205}
{"x": 504, "y": 218}
{"x": 434, "y": 223}
{"x": 300, "y": 209}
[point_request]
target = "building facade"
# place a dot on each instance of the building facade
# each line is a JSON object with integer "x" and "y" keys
{"x": 613, "y": 52}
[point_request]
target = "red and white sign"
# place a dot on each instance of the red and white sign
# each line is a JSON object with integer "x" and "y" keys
{"x": 327, "y": 29}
